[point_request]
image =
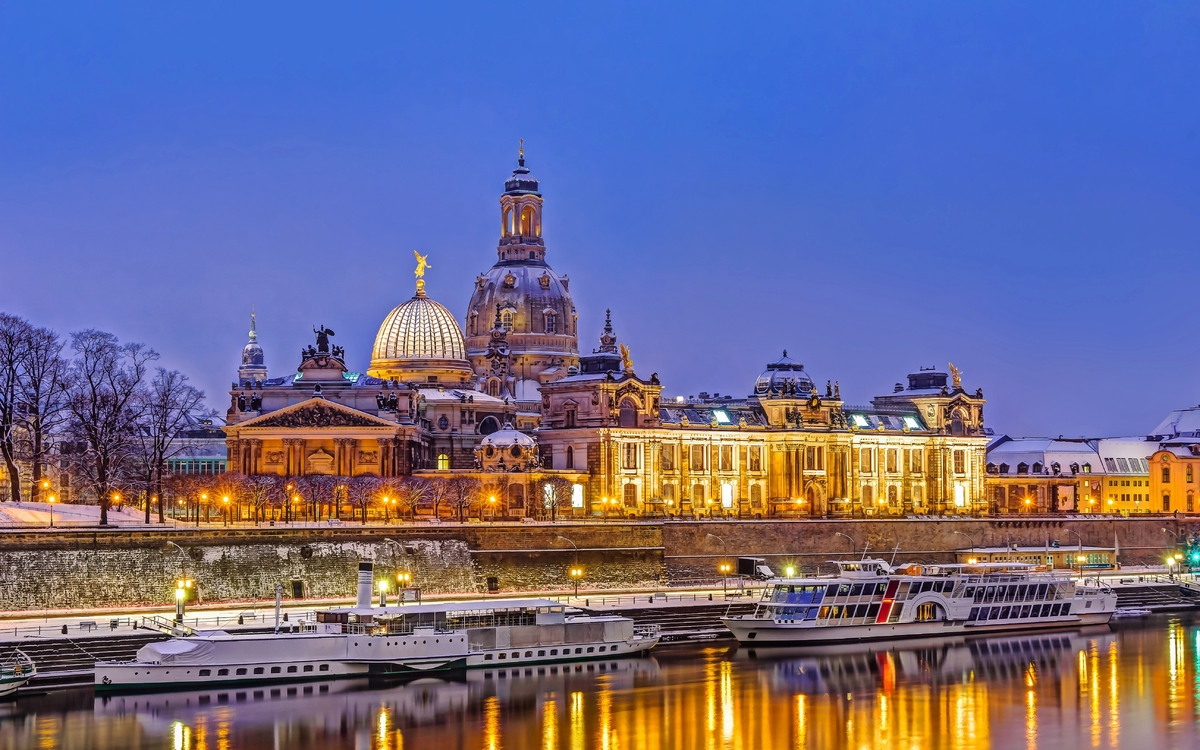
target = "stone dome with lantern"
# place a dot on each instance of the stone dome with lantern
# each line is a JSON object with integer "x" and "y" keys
{"x": 526, "y": 297}
{"x": 507, "y": 450}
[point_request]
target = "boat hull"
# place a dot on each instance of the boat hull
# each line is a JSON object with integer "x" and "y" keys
{"x": 759, "y": 632}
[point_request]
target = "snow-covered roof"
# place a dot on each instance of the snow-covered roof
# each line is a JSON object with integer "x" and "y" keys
{"x": 1044, "y": 451}
{"x": 1126, "y": 455}
{"x": 1180, "y": 423}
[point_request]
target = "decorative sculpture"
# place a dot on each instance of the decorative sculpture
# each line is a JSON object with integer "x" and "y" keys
{"x": 626, "y": 359}
{"x": 956, "y": 374}
{"x": 323, "y": 335}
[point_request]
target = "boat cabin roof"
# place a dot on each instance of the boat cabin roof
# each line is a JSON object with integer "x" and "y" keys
{"x": 491, "y": 605}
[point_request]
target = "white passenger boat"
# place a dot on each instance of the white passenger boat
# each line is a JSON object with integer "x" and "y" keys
{"x": 365, "y": 640}
{"x": 867, "y": 600}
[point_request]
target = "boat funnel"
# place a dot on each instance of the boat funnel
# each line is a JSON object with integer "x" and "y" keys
{"x": 366, "y": 577}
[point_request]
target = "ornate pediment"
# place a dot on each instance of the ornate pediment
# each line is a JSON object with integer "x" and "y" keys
{"x": 317, "y": 412}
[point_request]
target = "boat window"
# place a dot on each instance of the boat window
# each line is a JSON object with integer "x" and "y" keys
{"x": 528, "y": 654}
{"x": 307, "y": 667}
{"x": 590, "y": 650}
{"x": 205, "y": 672}
{"x": 502, "y": 656}
{"x": 1025, "y": 611}
{"x": 487, "y": 657}
{"x": 1004, "y": 613}
{"x": 880, "y": 589}
{"x": 973, "y": 614}
{"x": 862, "y": 610}
{"x": 554, "y": 652}
{"x": 824, "y": 613}
{"x": 275, "y": 670}
{"x": 856, "y": 590}
{"x": 324, "y": 668}
{"x": 1041, "y": 591}
{"x": 258, "y": 670}
{"x": 903, "y": 590}
{"x": 872, "y": 611}
{"x": 541, "y": 653}
{"x": 969, "y": 591}
{"x": 516, "y": 654}
{"x": 578, "y": 651}
{"x": 831, "y": 591}
{"x": 1021, "y": 591}
{"x": 843, "y": 590}
{"x": 291, "y": 669}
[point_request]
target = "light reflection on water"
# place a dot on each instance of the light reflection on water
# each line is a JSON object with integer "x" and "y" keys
{"x": 1135, "y": 686}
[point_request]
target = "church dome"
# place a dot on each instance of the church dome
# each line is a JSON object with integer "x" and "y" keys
{"x": 420, "y": 340}
{"x": 253, "y": 368}
{"x": 507, "y": 450}
{"x": 784, "y": 377}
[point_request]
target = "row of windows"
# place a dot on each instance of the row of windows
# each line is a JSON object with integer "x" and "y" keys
{"x": 553, "y": 652}
{"x": 897, "y": 460}
{"x": 698, "y": 494}
{"x": 698, "y": 459}
{"x": 1166, "y": 474}
{"x": 1038, "y": 468}
{"x": 979, "y": 614}
{"x": 240, "y": 671}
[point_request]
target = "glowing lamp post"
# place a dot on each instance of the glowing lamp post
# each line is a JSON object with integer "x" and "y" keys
{"x": 51, "y": 498}
{"x": 182, "y": 586}
{"x": 492, "y": 508}
{"x": 725, "y": 568}
{"x": 226, "y": 501}
{"x": 576, "y": 574}
{"x": 383, "y": 587}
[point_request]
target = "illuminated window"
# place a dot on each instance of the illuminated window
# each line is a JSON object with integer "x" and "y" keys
{"x": 867, "y": 460}
{"x": 577, "y": 496}
{"x": 755, "y": 458}
{"x": 860, "y": 421}
{"x": 722, "y": 417}
{"x": 755, "y": 496}
{"x": 443, "y": 461}
{"x": 571, "y": 458}
{"x": 631, "y": 495}
{"x": 726, "y": 495}
{"x": 960, "y": 495}
{"x": 960, "y": 462}
{"x": 630, "y": 456}
{"x": 696, "y": 457}
{"x": 726, "y": 458}
{"x": 912, "y": 423}
{"x": 893, "y": 461}
{"x": 667, "y": 456}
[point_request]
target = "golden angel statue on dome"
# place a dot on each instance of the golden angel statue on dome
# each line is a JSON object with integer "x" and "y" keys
{"x": 422, "y": 264}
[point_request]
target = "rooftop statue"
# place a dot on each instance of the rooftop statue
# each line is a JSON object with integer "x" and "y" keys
{"x": 626, "y": 358}
{"x": 323, "y": 339}
{"x": 956, "y": 374}
{"x": 422, "y": 264}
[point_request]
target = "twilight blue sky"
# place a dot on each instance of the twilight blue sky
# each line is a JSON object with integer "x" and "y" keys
{"x": 875, "y": 186}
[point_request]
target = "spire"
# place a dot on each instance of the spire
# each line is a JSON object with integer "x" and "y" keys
{"x": 608, "y": 340}
{"x": 521, "y": 153}
{"x": 253, "y": 368}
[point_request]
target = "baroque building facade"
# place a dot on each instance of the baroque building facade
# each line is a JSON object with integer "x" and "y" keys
{"x": 508, "y": 400}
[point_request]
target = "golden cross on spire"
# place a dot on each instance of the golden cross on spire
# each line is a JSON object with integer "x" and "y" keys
{"x": 521, "y": 150}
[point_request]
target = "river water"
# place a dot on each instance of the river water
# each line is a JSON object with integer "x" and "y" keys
{"x": 1130, "y": 686}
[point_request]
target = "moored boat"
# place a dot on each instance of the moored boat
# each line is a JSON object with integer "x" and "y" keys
{"x": 364, "y": 640}
{"x": 16, "y": 670}
{"x": 868, "y": 600}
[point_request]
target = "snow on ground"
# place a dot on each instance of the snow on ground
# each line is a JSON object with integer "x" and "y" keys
{"x": 38, "y": 514}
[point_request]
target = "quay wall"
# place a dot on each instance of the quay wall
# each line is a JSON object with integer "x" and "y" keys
{"x": 84, "y": 568}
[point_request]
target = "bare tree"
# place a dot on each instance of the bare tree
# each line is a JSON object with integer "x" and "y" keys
{"x": 321, "y": 489}
{"x": 413, "y": 492}
{"x": 43, "y": 399}
{"x": 462, "y": 494}
{"x": 102, "y": 397}
{"x": 14, "y": 345}
{"x": 439, "y": 492}
{"x": 552, "y": 493}
{"x": 167, "y": 406}
{"x": 361, "y": 492}
{"x": 259, "y": 491}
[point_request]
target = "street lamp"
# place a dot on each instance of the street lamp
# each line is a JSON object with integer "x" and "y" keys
{"x": 52, "y": 511}
{"x": 383, "y": 586}
{"x": 1080, "y": 555}
{"x": 226, "y": 501}
{"x": 576, "y": 571}
{"x": 853, "y": 544}
{"x": 182, "y": 586}
{"x": 972, "y": 541}
{"x": 492, "y": 508}
{"x": 724, "y": 566}
{"x": 576, "y": 574}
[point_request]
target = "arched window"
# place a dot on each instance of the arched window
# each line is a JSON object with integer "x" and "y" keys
{"x": 527, "y": 228}
{"x": 493, "y": 388}
{"x": 506, "y": 318}
{"x": 697, "y": 494}
{"x": 868, "y": 494}
{"x": 631, "y": 495}
{"x": 893, "y": 495}
{"x": 507, "y": 222}
{"x": 443, "y": 461}
{"x": 551, "y": 323}
{"x": 570, "y": 457}
{"x": 516, "y": 496}
{"x": 755, "y": 496}
{"x": 957, "y": 425}
{"x": 489, "y": 425}
{"x": 628, "y": 417}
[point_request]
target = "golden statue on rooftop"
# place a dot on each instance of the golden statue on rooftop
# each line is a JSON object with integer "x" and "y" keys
{"x": 626, "y": 358}
{"x": 956, "y": 374}
{"x": 422, "y": 264}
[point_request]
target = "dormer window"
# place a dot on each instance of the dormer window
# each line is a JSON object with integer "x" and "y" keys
{"x": 1003, "y": 468}
{"x": 506, "y": 319}
{"x": 1022, "y": 468}
{"x": 1037, "y": 468}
